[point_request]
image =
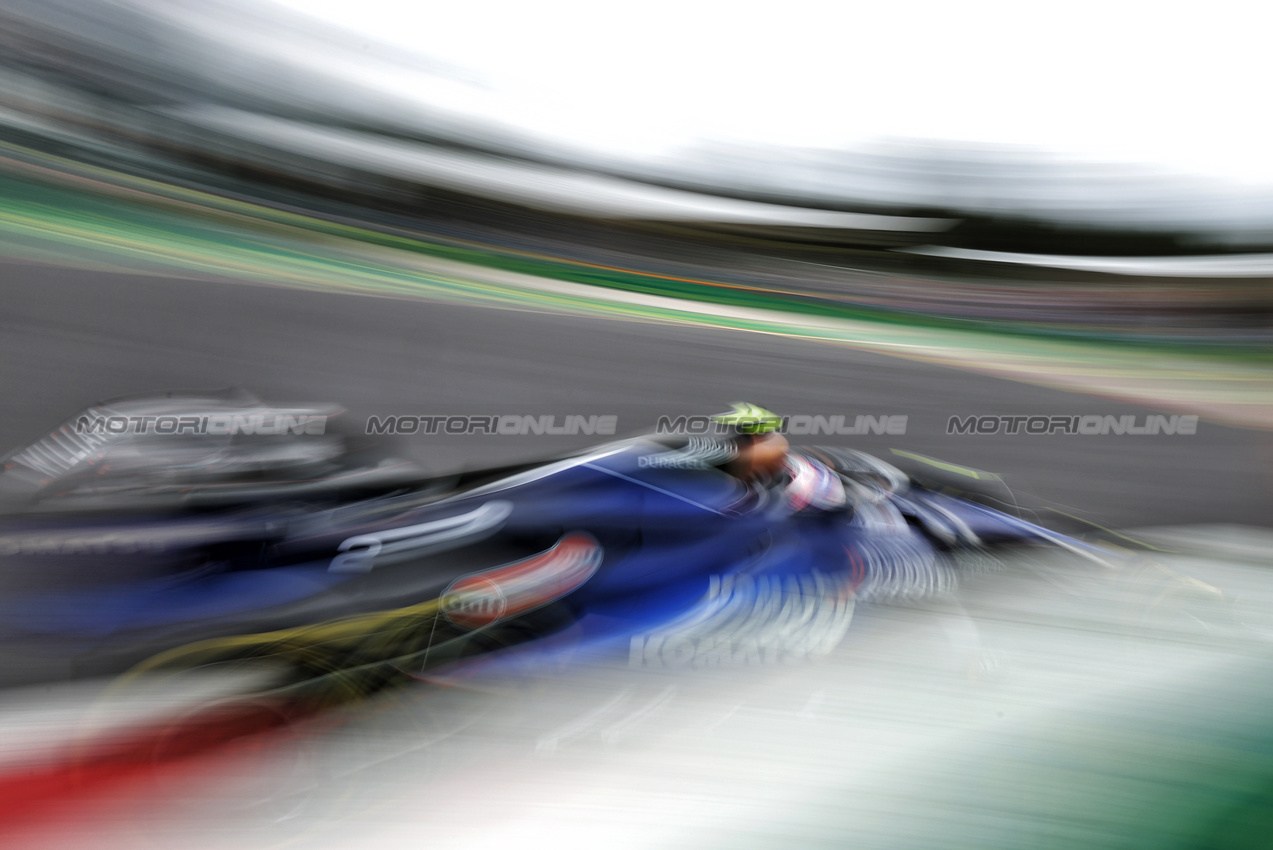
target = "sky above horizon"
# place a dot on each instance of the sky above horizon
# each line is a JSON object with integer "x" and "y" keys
{"x": 1103, "y": 82}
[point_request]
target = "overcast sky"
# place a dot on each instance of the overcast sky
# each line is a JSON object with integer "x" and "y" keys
{"x": 1181, "y": 86}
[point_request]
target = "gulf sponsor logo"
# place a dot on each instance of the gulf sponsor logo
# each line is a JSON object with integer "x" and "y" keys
{"x": 484, "y": 598}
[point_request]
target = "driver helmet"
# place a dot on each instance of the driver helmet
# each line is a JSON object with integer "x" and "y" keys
{"x": 760, "y": 450}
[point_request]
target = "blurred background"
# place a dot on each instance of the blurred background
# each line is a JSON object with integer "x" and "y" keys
{"x": 929, "y": 210}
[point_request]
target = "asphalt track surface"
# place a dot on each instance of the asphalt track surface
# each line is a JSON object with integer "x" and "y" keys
{"x": 1045, "y": 705}
{"x": 70, "y": 338}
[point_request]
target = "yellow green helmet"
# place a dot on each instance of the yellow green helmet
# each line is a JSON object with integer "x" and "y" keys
{"x": 750, "y": 419}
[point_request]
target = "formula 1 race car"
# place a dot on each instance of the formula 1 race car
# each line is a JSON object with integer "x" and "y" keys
{"x": 182, "y": 530}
